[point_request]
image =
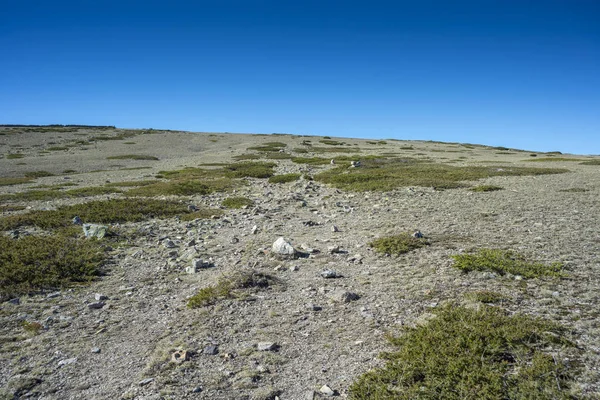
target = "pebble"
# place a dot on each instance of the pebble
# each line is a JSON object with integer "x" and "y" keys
{"x": 329, "y": 274}
{"x": 254, "y": 230}
{"x": 96, "y": 350}
{"x": 418, "y": 235}
{"x": 343, "y": 296}
{"x": 211, "y": 350}
{"x": 97, "y": 305}
{"x": 333, "y": 249}
{"x": 266, "y": 346}
{"x": 197, "y": 389}
{"x": 294, "y": 268}
{"x": 335, "y": 229}
{"x": 67, "y": 361}
{"x": 169, "y": 244}
{"x": 100, "y": 297}
{"x": 16, "y": 300}
{"x": 146, "y": 381}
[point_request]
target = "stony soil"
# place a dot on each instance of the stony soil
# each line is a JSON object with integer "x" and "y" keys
{"x": 123, "y": 349}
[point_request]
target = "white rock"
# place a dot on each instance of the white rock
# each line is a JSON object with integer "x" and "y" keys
{"x": 327, "y": 391}
{"x": 283, "y": 248}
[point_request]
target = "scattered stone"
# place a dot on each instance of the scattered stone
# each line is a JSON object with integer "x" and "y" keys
{"x": 192, "y": 208}
{"x": 310, "y": 223}
{"x": 15, "y": 234}
{"x": 327, "y": 391}
{"x": 169, "y": 244}
{"x": 96, "y": 305}
{"x": 180, "y": 356}
{"x": 330, "y": 274}
{"x": 254, "y": 230}
{"x": 314, "y": 307}
{"x": 294, "y": 268}
{"x": 332, "y": 162}
{"x": 283, "y": 248}
{"x": 191, "y": 243}
{"x": 343, "y": 296}
{"x": 15, "y": 301}
{"x": 100, "y": 297}
{"x": 354, "y": 164}
{"x": 418, "y": 235}
{"x": 334, "y": 228}
{"x": 95, "y": 230}
{"x": 211, "y": 350}
{"x": 96, "y": 350}
{"x": 77, "y": 221}
{"x": 197, "y": 389}
{"x": 67, "y": 361}
{"x": 146, "y": 381}
{"x": 267, "y": 346}
{"x": 333, "y": 249}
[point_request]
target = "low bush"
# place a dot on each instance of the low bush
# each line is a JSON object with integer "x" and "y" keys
{"x": 399, "y": 244}
{"x": 505, "y": 261}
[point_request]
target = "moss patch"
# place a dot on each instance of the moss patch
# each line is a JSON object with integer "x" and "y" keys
{"x": 34, "y": 263}
{"x": 505, "y": 261}
{"x": 472, "y": 354}
{"x": 399, "y": 244}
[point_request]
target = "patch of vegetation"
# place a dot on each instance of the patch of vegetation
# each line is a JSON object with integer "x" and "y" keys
{"x": 9, "y": 208}
{"x": 34, "y": 263}
{"x": 243, "y": 157}
{"x": 132, "y": 183}
{"x": 269, "y": 147}
{"x": 237, "y": 202}
{"x": 55, "y": 193}
{"x": 38, "y": 174}
{"x": 13, "y": 181}
{"x": 590, "y": 162}
{"x": 574, "y": 190}
{"x": 486, "y": 296}
{"x": 14, "y": 156}
{"x": 132, "y": 157}
{"x": 486, "y": 188}
{"x": 285, "y": 178}
{"x": 505, "y": 261}
{"x": 203, "y": 213}
{"x": 334, "y": 150}
{"x": 233, "y": 286}
{"x": 555, "y": 159}
{"x": 33, "y": 327}
{"x": 173, "y": 188}
{"x": 330, "y": 142}
{"x": 57, "y": 148}
{"x": 250, "y": 170}
{"x": 105, "y": 212}
{"x": 398, "y": 244}
{"x": 388, "y": 174}
{"x": 472, "y": 354}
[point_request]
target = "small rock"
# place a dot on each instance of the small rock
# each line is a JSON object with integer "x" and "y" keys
{"x": 254, "y": 230}
{"x": 192, "y": 208}
{"x": 169, "y": 244}
{"x": 329, "y": 274}
{"x": 146, "y": 381}
{"x": 314, "y": 307}
{"x": 15, "y": 234}
{"x": 96, "y": 305}
{"x": 334, "y": 228}
{"x": 283, "y": 248}
{"x": 354, "y": 164}
{"x": 267, "y": 346}
{"x": 67, "y": 361}
{"x": 94, "y": 230}
{"x": 180, "y": 356}
{"x": 333, "y": 249}
{"x": 418, "y": 235}
{"x": 294, "y": 268}
{"x": 327, "y": 391}
{"x": 191, "y": 243}
{"x": 100, "y": 297}
{"x": 211, "y": 350}
{"x": 77, "y": 221}
{"x": 343, "y": 296}
{"x": 197, "y": 389}
{"x": 95, "y": 350}
{"x": 15, "y": 301}
{"x": 332, "y": 162}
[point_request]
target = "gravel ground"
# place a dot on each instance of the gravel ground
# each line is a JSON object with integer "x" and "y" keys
{"x": 122, "y": 350}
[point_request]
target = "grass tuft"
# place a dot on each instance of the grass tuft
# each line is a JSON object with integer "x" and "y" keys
{"x": 486, "y": 188}
{"x": 285, "y": 178}
{"x": 399, "y": 244}
{"x": 470, "y": 354}
{"x": 505, "y": 261}
{"x": 230, "y": 287}
{"x": 237, "y": 202}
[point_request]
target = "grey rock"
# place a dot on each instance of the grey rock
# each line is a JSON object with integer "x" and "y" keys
{"x": 314, "y": 307}
{"x": 192, "y": 208}
{"x": 95, "y": 230}
{"x": 169, "y": 244}
{"x": 254, "y": 230}
{"x": 333, "y": 249}
{"x": 197, "y": 389}
{"x": 354, "y": 164}
{"x": 329, "y": 274}
{"x": 95, "y": 350}
{"x": 343, "y": 296}
{"x": 283, "y": 248}
{"x": 77, "y": 221}
{"x": 334, "y": 228}
{"x": 417, "y": 235}
{"x": 211, "y": 350}
{"x": 146, "y": 381}
{"x": 267, "y": 346}
{"x": 96, "y": 305}
{"x": 100, "y": 297}
{"x": 67, "y": 361}
{"x": 15, "y": 234}
{"x": 15, "y": 301}
{"x": 294, "y": 268}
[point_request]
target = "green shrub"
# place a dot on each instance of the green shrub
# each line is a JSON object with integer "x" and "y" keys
{"x": 486, "y": 296}
{"x": 14, "y": 181}
{"x": 38, "y": 174}
{"x": 590, "y": 162}
{"x": 105, "y": 212}
{"x": 285, "y": 178}
{"x": 34, "y": 263}
{"x": 237, "y": 202}
{"x": 505, "y": 261}
{"x": 229, "y": 287}
{"x": 465, "y": 354}
{"x": 250, "y": 170}
{"x": 399, "y": 244}
{"x": 14, "y": 156}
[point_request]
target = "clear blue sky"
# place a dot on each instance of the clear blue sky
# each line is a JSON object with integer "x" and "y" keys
{"x": 514, "y": 73}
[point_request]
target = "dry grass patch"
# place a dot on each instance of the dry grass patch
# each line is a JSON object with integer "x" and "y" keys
{"x": 505, "y": 261}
